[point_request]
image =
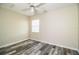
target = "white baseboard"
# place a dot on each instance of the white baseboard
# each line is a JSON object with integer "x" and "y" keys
{"x": 57, "y": 45}
{"x": 13, "y": 43}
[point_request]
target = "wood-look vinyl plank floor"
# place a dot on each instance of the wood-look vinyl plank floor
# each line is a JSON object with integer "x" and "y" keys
{"x": 32, "y": 47}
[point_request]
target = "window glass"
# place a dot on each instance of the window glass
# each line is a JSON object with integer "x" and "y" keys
{"x": 35, "y": 25}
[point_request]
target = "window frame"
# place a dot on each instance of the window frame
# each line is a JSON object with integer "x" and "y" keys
{"x": 32, "y": 30}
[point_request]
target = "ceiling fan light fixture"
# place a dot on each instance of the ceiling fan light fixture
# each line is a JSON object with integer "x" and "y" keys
{"x": 32, "y": 9}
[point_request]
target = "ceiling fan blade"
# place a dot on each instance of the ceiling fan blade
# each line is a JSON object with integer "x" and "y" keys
{"x": 12, "y": 5}
{"x": 25, "y": 9}
{"x": 41, "y": 4}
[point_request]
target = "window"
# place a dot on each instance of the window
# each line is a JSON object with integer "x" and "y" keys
{"x": 35, "y": 25}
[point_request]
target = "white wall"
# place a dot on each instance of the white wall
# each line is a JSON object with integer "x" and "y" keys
{"x": 78, "y": 26}
{"x": 13, "y": 27}
{"x": 60, "y": 27}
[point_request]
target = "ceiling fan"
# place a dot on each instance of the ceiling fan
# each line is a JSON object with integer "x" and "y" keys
{"x": 33, "y": 7}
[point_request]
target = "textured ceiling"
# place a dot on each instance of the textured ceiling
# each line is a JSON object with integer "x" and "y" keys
{"x": 20, "y": 7}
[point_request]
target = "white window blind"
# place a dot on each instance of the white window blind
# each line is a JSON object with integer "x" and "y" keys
{"x": 35, "y": 25}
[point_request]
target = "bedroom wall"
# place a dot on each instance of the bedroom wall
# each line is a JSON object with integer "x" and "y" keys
{"x": 60, "y": 27}
{"x": 78, "y": 26}
{"x": 13, "y": 27}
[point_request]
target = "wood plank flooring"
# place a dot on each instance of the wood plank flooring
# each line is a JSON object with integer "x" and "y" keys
{"x": 32, "y": 47}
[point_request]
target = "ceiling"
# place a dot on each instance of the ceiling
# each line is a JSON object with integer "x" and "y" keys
{"x": 46, "y": 7}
